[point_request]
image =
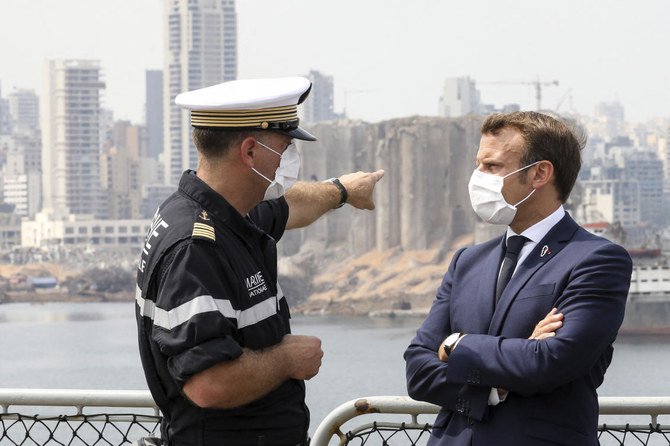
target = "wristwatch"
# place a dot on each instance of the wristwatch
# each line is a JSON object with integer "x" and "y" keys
{"x": 344, "y": 195}
{"x": 451, "y": 342}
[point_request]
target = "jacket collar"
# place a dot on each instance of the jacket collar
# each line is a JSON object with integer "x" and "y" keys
{"x": 552, "y": 243}
{"x": 215, "y": 204}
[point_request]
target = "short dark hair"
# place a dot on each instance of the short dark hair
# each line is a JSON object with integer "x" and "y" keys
{"x": 216, "y": 143}
{"x": 554, "y": 139}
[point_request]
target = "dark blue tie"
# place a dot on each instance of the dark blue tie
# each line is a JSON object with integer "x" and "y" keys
{"x": 514, "y": 245}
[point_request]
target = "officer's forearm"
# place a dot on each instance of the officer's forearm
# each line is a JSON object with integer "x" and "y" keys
{"x": 235, "y": 383}
{"x": 255, "y": 373}
{"x": 309, "y": 201}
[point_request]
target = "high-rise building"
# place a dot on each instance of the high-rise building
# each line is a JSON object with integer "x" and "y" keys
{"x": 200, "y": 49}
{"x": 459, "y": 97}
{"x": 120, "y": 170}
{"x": 70, "y": 113}
{"x": 25, "y": 154}
{"x": 647, "y": 169}
{"x": 24, "y": 111}
{"x": 4, "y": 115}
{"x": 625, "y": 183}
{"x": 154, "y": 112}
{"x": 22, "y": 173}
{"x": 319, "y": 105}
{"x": 611, "y": 200}
{"x": 609, "y": 120}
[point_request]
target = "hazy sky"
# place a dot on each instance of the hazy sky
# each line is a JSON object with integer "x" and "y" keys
{"x": 389, "y": 58}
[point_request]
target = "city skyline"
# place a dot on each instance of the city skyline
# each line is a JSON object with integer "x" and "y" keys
{"x": 386, "y": 60}
{"x": 199, "y": 50}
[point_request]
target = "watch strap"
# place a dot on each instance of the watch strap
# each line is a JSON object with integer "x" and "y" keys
{"x": 344, "y": 195}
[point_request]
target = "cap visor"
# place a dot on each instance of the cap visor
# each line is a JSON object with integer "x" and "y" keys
{"x": 299, "y": 133}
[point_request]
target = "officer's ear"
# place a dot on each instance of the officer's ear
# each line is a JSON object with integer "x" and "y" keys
{"x": 246, "y": 150}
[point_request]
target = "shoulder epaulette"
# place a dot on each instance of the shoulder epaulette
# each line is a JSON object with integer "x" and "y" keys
{"x": 202, "y": 228}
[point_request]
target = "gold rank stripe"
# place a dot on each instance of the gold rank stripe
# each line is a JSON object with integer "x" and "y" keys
{"x": 249, "y": 112}
{"x": 243, "y": 118}
{"x": 203, "y": 230}
{"x": 234, "y": 122}
{"x": 208, "y": 236}
{"x": 282, "y": 118}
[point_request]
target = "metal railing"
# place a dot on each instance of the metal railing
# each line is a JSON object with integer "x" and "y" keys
{"x": 416, "y": 432}
{"x": 79, "y": 418}
{"x": 76, "y": 417}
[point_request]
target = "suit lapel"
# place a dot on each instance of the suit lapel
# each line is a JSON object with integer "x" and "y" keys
{"x": 552, "y": 243}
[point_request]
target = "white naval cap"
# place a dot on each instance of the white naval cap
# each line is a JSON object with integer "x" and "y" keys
{"x": 262, "y": 104}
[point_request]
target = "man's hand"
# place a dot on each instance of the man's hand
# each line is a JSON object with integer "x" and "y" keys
{"x": 307, "y": 201}
{"x": 441, "y": 354}
{"x": 303, "y": 354}
{"x": 547, "y": 327}
{"x": 360, "y": 186}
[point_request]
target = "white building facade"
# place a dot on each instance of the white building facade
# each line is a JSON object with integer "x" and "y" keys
{"x": 51, "y": 230}
{"x": 23, "y": 191}
{"x": 70, "y": 112}
{"x": 460, "y": 97}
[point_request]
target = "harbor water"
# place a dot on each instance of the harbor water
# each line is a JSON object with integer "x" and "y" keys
{"x": 93, "y": 346}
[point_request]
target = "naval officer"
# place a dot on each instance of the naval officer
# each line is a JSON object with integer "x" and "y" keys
{"x": 213, "y": 322}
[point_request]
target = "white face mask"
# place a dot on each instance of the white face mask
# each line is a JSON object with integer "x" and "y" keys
{"x": 285, "y": 175}
{"x": 487, "y": 199}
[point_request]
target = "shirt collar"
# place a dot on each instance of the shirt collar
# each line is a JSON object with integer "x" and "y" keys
{"x": 537, "y": 232}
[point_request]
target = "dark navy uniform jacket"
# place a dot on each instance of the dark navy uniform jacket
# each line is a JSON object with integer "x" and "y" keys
{"x": 206, "y": 288}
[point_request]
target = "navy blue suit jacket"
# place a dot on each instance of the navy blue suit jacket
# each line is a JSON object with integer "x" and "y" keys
{"x": 552, "y": 382}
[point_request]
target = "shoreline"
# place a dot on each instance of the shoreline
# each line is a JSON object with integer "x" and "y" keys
{"x": 47, "y": 296}
{"x": 42, "y": 297}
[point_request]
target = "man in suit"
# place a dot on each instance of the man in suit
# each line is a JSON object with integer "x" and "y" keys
{"x": 501, "y": 377}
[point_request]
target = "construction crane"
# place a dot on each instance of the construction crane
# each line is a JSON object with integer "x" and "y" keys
{"x": 538, "y": 84}
{"x": 568, "y": 96}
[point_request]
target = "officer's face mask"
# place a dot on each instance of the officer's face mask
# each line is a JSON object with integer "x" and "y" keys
{"x": 487, "y": 199}
{"x": 285, "y": 175}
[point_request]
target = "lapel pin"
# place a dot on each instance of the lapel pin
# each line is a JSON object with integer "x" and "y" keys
{"x": 545, "y": 251}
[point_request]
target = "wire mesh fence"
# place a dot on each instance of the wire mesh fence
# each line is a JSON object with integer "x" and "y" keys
{"x": 628, "y": 435}
{"x": 629, "y": 421}
{"x": 379, "y": 434}
{"x": 122, "y": 429}
{"x": 379, "y": 425}
{"x": 76, "y": 430}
